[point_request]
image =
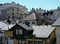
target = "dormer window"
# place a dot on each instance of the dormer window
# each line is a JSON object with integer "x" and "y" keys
{"x": 19, "y": 31}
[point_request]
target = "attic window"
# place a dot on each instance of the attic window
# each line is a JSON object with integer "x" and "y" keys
{"x": 19, "y": 31}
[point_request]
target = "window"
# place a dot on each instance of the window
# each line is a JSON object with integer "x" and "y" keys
{"x": 33, "y": 22}
{"x": 19, "y": 31}
{"x": 21, "y": 42}
{"x": 17, "y": 13}
{"x": 16, "y": 31}
{"x": 21, "y": 14}
{"x": 12, "y": 13}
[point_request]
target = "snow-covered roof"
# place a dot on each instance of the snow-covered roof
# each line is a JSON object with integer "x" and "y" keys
{"x": 57, "y": 22}
{"x": 42, "y": 31}
{"x": 4, "y": 26}
{"x": 30, "y": 17}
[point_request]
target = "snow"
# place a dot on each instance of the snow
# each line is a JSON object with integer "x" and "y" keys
{"x": 4, "y": 26}
{"x": 42, "y": 31}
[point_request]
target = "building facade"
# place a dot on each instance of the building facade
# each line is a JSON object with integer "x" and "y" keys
{"x": 13, "y": 9}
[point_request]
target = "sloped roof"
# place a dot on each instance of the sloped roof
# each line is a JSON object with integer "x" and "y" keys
{"x": 42, "y": 31}
{"x": 4, "y": 26}
{"x": 57, "y": 22}
{"x": 25, "y": 26}
{"x": 30, "y": 17}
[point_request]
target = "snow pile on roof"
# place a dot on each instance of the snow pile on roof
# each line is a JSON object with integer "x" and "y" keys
{"x": 42, "y": 31}
{"x": 30, "y": 17}
{"x": 4, "y": 26}
{"x": 57, "y": 22}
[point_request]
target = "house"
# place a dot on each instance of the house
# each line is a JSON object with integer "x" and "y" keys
{"x": 57, "y": 25}
{"x": 43, "y": 35}
{"x": 18, "y": 34}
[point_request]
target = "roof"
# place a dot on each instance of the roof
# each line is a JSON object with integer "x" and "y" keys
{"x": 42, "y": 31}
{"x": 57, "y": 22}
{"x": 22, "y": 25}
{"x": 25, "y": 26}
{"x": 30, "y": 17}
{"x": 4, "y": 26}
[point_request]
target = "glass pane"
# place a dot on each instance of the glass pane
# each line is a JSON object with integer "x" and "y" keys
{"x": 17, "y": 31}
